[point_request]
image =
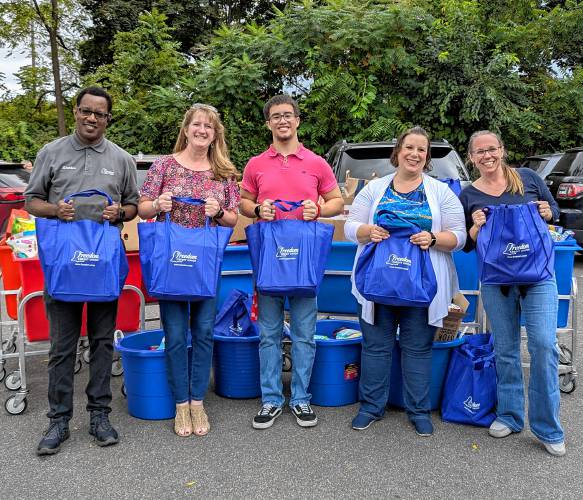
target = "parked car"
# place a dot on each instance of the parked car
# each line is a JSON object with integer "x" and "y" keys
{"x": 367, "y": 160}
{"x": 13, "y": 181}
{"x": 542, "y": 164}
{"x": 566, "y": 185}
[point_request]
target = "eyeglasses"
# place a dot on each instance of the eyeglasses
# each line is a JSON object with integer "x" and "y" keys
{"x": 200, "y": 105}
{"x": 276, "y": 117}
{"x": 480, "y": 153}
{"x": 86, "y": 113}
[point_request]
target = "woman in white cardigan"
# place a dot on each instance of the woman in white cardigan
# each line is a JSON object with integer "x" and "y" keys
{"x": 407, "y": 197}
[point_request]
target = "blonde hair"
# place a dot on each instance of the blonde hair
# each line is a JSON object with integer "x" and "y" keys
{"x": 218, "y": 154}
{"x": 514, "y": 184}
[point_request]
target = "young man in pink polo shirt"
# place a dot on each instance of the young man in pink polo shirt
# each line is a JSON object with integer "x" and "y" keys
{"x": 287, "y": 171}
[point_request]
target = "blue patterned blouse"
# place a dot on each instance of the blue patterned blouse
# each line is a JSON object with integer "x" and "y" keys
{"x": 404, "y": 209}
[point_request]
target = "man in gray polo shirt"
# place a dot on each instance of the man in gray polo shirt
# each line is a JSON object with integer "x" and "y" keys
{"x": 80, "y": 161}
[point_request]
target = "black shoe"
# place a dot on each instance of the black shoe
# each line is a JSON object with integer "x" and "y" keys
{"x": 54, "y": 436}
{"x": 101, "y": 429}
{"x": 266, "y": 416}
{"x": 305, "y": 416}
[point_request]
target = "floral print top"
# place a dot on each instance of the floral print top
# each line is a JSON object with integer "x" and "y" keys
{"x": 166, "y": 174}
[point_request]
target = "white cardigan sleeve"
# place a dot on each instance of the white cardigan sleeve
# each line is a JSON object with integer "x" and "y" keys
{"x": 360, "y": 212}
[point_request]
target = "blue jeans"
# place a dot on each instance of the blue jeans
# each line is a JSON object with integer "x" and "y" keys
{"x": 539, "y": 308}
{"x": 303, "y": 312}
{"x": 378, "y": 340}
{"x": 178, "y": 318}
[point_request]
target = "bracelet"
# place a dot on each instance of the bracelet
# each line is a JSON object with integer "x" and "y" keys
{"x": 156, "y": 206}
{"x": 220, "y": 214}
{"x": 256, "y": 210}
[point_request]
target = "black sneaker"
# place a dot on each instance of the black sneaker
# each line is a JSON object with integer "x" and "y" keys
{"x": 54, "y": 436}
{"x": 305, "y": 416}
{"x": 264, "y": 419}
{"x": 101, "y": 429}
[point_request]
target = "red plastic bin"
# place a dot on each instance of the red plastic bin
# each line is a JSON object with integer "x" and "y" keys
{"x": 10, "y": 280}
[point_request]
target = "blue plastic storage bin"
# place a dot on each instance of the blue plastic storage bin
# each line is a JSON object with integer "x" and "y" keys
{"x": 466, "y": 265}
{"x": 236, "y": 367}
{"x": 564, "y": 258}
{"x": 146, "y": 383}
{"x": 336, "y": 370}
{"x": 439, "y": 361}
{"x": 335, "y": 294}
{"x": 236, "y": 272}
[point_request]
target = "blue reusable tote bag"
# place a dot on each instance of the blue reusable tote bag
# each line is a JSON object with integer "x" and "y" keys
{"x": 469, "y": 390}
{"x": 84, "y": 260}
{"x": 454, "y": 185}
{"x": 396, "y": 272}
{"x": 514, "y": 247}
{"x": 289, "y": 256}
{"x": 234, "y": 318}
{"x": 180, "y": 263}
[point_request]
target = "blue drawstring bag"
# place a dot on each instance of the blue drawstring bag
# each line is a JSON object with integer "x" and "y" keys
{"x": 84, "y": 260}
{"x": 454, "y": 185}
{"x": 234, "y": 318}
{"x": 396, "y": 272}
{"x": 288, "y": 257}
{"x": 514, "y": 247}
{"x": 180, "y": 263}
{"x": 469, "y": 390}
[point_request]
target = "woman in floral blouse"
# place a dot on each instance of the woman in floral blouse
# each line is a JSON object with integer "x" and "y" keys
{"x": 199, "y": 168}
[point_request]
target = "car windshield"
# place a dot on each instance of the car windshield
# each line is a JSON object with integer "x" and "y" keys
{"x": 570, "y": 164}
{"x": 536, "y": 164}
{"x": 14, "y": 177}
{"x": 369, "y": 162}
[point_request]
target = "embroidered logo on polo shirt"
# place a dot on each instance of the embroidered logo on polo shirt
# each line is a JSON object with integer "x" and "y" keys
{"x": 104, "y": 171}
{"x": 68, "y": 167}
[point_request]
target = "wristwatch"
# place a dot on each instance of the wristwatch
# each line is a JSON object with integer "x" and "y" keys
{"x": 256, "y": 210}
{"x": 220, "y": 214}
{"x": 433, "y": 239}
{"x": 122, "y": 215}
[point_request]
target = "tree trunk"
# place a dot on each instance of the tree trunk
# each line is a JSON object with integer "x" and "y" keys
{"x": 57, "y": 68}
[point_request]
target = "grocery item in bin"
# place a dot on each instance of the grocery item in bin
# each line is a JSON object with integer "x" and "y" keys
{"x": 84, "y": 260}
{"x": 181, "y": 263}
{"x": 24, "y": 245}
{"x": 346, "y": 333}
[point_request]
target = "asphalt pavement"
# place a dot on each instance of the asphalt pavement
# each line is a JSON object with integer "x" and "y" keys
{"x": 331, "y": 460}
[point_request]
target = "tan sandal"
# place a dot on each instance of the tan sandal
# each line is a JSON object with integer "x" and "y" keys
{"x": 182, "y": 422}
{"x": 199, "y": 420}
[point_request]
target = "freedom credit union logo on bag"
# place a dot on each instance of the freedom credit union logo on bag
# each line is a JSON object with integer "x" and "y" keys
{"x": 183, "y": 259}
{"x": 85, "y": 259}
{"x": 517, "y": 251}
{"x": 470, "y": 406}
{"x": 290, "y": 253}
{"x": 396, "y": 262}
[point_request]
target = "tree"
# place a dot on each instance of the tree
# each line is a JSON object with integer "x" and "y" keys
{"x": 193, "y": 22}
{"x": 54, "y": 19}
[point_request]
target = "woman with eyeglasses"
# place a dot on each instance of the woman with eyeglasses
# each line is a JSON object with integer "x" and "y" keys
{"x": 406, "y": 199}
{"x": 198, "y": 168}
{"x": 499, "y": 184}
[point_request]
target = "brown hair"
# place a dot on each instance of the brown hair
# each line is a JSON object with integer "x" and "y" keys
{"x": 514, "y": 184}
{"x": 218, "y": 153}
{"x": 417, "y": 131}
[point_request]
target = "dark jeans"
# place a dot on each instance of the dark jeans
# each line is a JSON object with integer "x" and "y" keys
{"x": 378, "y": 340}
{"x": 64, "y": 331}
{"x": 178, "y": 320}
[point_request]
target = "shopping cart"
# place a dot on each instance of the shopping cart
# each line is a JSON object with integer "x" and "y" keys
{"x": 33, "y": 325}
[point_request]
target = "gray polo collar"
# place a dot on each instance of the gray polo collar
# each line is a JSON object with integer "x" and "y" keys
{"x": 78, "y": 145}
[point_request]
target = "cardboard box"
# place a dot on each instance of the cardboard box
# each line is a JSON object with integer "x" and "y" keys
{"x": 452, "y": 322}
{"x": 129, "y": 235}
{"x": 239, "y": 229}
{"x": 338, "y": 223}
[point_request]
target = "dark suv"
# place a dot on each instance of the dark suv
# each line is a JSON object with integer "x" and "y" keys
{"x": 566, "y": 185}
{"x": 366, "y": 160}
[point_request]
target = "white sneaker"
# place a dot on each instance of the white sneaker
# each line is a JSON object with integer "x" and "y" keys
{"x": 499, "y": 430}
{"x": 556, "y": 449}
